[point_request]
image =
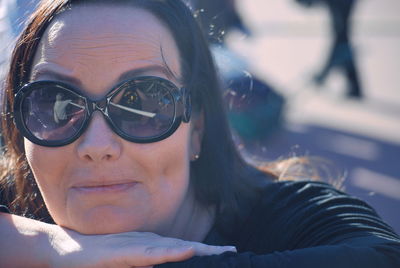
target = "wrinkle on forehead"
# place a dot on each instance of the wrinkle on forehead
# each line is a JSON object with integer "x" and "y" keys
{"x": 114, "y": 43}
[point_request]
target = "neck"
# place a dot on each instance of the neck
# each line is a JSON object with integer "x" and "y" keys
{"x": 193, "y": 221}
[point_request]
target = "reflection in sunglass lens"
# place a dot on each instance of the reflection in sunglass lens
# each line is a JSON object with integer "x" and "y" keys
{"x": 143, "y": 109}
{"x": 53, "y": 113}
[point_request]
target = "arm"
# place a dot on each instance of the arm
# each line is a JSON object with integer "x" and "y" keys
{"x": 20, "y": 242}
{"x": 386, "y": 256}
{"x": 308, "y": 224}
{"x": 26, "y": 241}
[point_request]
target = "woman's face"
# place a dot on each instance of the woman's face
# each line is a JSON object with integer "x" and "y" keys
{"x": 102, "y": 183}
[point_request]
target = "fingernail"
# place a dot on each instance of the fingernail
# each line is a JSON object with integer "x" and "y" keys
{"x": 231, "y": 248}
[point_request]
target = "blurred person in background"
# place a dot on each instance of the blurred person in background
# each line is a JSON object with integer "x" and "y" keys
{"x": 341, "y": 55}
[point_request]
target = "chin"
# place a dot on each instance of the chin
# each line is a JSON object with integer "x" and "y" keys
{"x": 106, "y": 221}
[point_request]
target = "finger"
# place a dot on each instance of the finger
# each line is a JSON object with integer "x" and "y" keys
{"x": 203, "y": 250}
{"x": 180, "y": 253}
{"x": 153, "y": 255}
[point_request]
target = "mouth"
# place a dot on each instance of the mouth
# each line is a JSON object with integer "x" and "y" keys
{"x": 104, "y": 187}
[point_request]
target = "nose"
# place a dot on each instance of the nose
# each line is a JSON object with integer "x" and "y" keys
{"x": 99, "y": 143}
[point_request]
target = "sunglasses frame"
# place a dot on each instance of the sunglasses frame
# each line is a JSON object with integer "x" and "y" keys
{"x": 181, "y": 98}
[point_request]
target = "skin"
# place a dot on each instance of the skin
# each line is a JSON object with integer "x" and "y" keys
{"x": 148, "y": 186}
{"x": 46, "y": 245}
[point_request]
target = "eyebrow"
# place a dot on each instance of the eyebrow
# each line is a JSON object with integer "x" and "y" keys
{"x": 140, "y": 71}
{"x": 55, "y": 75}
{"x": 124, "y": 76}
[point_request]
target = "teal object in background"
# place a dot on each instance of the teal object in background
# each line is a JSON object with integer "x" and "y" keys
{"x": 254, "y": 108}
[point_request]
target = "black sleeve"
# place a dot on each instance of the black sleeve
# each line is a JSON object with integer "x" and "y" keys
{"x": 3, "y": 202}
{"x": 4, "y": 209}
{"x": 308, "y": 224}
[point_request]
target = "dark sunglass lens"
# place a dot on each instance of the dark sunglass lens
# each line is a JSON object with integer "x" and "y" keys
{"x": 53, "y": 113}
{"x": 143, "y": 109}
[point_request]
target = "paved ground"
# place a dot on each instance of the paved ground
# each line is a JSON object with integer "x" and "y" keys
{"x": 288, "y": 45}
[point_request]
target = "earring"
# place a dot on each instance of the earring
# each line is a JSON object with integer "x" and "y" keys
{"x": 195, "y": 157}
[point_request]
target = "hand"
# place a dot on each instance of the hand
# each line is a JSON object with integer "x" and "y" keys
{"x": 131, "y": 249}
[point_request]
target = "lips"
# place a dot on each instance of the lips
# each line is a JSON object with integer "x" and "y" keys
{"x": 104, "y": 187}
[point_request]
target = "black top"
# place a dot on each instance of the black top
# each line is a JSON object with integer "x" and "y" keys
{"x": 302, "y": 224}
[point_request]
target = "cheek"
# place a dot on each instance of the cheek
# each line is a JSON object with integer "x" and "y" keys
{"x": 171, "y": 158}
{"x": 44, "y": 160}
{"x": 35, "y": 156}
{"x": 169, "y": 189}
{"x": 167, "y": 164}
{"x": 173, "y": 172}
{"x": 48, "y": 166}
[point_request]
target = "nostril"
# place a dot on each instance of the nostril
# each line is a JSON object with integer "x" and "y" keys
{"x": 97, "y": 154}
{"x": 107, "y": 157}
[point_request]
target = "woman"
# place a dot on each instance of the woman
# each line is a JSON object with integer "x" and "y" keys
{"x": 120, "y": 140}
{"x": 341, "y": 55}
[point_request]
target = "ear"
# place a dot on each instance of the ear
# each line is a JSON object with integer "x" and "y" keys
{"x": 196, "y": 135}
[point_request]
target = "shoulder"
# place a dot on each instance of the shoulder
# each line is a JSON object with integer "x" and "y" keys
{"x": 289, "y": 195}
{"x": 293, "y": 193}
{"x": 298, "y": 214}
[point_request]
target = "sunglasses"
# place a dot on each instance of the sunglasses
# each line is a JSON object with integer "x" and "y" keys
{"x": 141, "y": 110}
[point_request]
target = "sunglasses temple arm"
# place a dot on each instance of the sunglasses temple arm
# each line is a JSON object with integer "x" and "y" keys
{"x": 135, "y": 111}
{"x": 76, "y": 105}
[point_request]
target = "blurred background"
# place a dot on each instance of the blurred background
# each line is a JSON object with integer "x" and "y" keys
{"x": 306, "y": 78}
{"x": 286, "y": 45}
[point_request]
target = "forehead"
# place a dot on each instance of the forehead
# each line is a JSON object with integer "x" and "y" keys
{"x": 88, "y": 42}
{"x": 107, "y": 18}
